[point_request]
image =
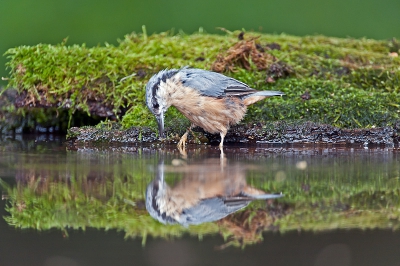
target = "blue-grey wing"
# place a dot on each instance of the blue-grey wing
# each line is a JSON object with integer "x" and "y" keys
{"x": 213, "y": 84}
{"x": 212, "y": 209}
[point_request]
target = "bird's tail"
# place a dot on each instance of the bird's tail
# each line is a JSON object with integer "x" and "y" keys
{"x": 259, "y": 95}
{"x": 266, "y": 93}
{"x": 264, "y": 196}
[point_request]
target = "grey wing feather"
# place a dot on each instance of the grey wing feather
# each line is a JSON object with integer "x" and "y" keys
{"x": 212, "y": 209}
{"x": 213, "y": 84}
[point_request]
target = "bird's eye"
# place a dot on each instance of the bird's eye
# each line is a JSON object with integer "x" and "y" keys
{"x": 156, "y": 105}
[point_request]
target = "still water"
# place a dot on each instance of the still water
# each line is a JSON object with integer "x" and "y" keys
{"x": 278, "y": 205}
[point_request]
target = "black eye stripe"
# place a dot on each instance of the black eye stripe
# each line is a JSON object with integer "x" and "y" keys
{"x": 155, "y": 88}
{"x": 155, "y": 103}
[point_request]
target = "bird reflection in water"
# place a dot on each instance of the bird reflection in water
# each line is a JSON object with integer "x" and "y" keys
{"x": 207, "y": 192}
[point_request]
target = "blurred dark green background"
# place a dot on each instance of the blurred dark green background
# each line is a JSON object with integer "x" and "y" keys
{"x": 26, "y": 22}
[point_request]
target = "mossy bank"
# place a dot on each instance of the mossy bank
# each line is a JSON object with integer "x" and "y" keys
{"x": 345, "y": 83}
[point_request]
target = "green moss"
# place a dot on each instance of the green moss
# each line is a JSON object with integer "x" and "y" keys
{"x": 352, "y": 82}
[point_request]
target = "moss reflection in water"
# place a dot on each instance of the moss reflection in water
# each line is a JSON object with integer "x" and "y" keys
{"x": 316, "y": 198}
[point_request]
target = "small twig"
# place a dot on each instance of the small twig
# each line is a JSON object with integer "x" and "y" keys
{"x": 134, "y": 74}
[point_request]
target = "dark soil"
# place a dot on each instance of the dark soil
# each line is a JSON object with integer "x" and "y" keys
{"x": 273, "y": 133}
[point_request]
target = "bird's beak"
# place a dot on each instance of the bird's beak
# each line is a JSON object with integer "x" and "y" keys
{"x": 160, "y": 121}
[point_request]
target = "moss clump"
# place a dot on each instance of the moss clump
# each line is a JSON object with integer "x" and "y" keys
{"x": 349, "y": 83}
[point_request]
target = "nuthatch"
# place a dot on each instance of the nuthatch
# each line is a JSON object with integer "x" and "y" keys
{"x": 208, "y": 99}
{"x": 205, "y": 194}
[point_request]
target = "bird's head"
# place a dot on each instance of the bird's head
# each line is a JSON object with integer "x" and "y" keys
{"x": 157, "y": 97}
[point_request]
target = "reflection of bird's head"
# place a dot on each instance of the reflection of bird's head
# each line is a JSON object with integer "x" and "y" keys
{"x": 152, "y": 204}
{"x": 155, "y": 198}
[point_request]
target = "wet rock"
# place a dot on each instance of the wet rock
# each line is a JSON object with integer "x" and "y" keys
{"x": 271, "y": 133}
{"x": 310, "y": 132}
{"x": 112, "y": 135}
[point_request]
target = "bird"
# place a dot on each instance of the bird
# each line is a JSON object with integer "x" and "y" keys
{"x": 208, "y": 99}
{"x": 205, "y": 194}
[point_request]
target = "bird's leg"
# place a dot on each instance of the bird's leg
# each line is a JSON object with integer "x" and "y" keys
{"x": 221, "y": 144}
{"x": 222, "y": 160}
{"x": 182, "y": 141}
{"x": 222, "y": 155}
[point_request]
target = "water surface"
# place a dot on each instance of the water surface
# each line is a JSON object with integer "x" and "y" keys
{"x": 86, "y": 205}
